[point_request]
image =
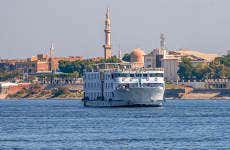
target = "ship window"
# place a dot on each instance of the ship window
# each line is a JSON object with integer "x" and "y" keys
{"x": 124, "y": 75}
{"x": 145, "y": 75}
{"x": 116, "y": 75}
{"x": 159, "y": 74}
{"x": 152, "y": 74}
{"x": 131, "y": 75}
{"x": 138, "y": 75}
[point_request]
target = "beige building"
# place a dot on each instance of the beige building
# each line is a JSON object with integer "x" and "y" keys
{"x": 195, "y": 56}
{"x": 43, "y": 62}
{"x": 150, "y": 60}
{"x": 228, "y": 52}
{"x": 158, "y": 59}
{"x": 35, "y": 64}
{"x": 153, "y": 59}
{"x": 171, "y": 66}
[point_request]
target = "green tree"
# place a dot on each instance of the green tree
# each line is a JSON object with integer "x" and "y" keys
{"x": 224, "y": 62}
{"x": 126, "y": 57}
{"x": 113, "y": 59}
{"x": 80, "y": 66}
{"x": 10, "y": 75}
{"x": 185, "y": 69}
{"x": 200, "y": 71}
{"x": 219, "y": 68}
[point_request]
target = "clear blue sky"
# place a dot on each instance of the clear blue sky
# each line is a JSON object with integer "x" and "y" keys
{"x": 27, "y": 27}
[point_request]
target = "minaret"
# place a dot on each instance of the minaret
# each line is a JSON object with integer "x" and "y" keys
{"x": 51, "y": 50}
{"x": 163, "y": 45}
{"x": 162, "y": 42}
{"x": 51, "y": 61}
{"x": 119, "y": 55}
{"x": 107, "y": 46}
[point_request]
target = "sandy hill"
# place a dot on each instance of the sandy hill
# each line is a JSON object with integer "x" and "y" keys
{"x": 205, "y": 56}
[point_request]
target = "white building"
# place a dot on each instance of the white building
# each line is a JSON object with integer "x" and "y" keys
{"x": 171, "y": 66}
{"x": 158, "y": 59}
{"x": 153, "y": 59}
{"x": 150, "y": 60}
{"x": 228, "y": 52}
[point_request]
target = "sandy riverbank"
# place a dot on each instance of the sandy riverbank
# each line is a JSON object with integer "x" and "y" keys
{"x": 65, "y": 93}
{"x": 198, "y": 94}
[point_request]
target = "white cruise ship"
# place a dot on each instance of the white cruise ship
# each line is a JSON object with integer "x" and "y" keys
{"x": 112, "y": 84}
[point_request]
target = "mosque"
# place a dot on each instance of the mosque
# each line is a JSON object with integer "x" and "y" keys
{"x": 159, "y": 57}
{"x": 137, "y": 55}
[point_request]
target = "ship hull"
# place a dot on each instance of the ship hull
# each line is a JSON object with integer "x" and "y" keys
{"x": 148, "y": 96}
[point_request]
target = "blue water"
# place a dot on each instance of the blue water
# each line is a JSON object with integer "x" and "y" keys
{"x": 66, "y": 124}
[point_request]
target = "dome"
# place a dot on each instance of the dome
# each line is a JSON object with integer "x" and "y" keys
{"x": 137, "y": 55}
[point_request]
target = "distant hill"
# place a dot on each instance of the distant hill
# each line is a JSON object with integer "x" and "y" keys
{"x": 195, "y": 54}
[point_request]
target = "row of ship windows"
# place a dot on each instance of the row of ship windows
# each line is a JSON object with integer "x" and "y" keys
{"x": 97, "y": 85}
{"x": 137, "y": 75}
{"x": 92, "y": 76}
{"x": 115, "y": 75}
{"x": 108, "y": 85}
{"x": 94, "y": 95}
{"x": 96, "y": 76}
{"x": 152, "y": 84}
{"x": 92, "y": 85}
{"x": 129, "y": 85}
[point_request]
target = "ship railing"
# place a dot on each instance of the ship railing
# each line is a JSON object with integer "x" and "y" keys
{"x": 126, "y": 70}
{"x": 120, "y": 67}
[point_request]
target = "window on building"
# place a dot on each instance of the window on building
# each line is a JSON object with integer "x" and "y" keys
{"x": 148, "y": 60}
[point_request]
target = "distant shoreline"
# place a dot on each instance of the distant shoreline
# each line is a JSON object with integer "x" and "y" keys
{"x": 197, "y": 99}
{"x": 197, "y": 94}
{"x": 42, "y": 99}
{"x": 79, "y": 99}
